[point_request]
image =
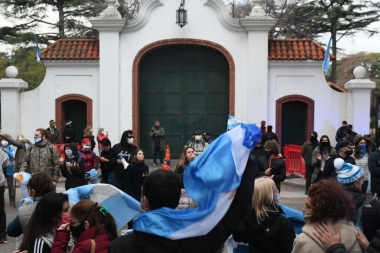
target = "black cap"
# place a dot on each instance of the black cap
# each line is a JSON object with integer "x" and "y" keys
{"x": 343, "y": 144}
{"x": 198, "y": 132}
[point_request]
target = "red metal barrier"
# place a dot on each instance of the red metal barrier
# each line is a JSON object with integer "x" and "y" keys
{"x": 60, "y": 148}
{"x": 293, "y": 159}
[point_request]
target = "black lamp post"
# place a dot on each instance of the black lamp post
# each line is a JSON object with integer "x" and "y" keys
{"x": 181, "y": 15}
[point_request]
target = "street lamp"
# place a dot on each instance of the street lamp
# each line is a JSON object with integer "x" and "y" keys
{"x": 181, "y": 15}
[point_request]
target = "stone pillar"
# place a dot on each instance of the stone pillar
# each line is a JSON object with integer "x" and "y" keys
{"x": 359, "y": 101}
{"x": 109, "y": 25}
{"x": 10, "y": 89}
{"x": 257, "y": 24}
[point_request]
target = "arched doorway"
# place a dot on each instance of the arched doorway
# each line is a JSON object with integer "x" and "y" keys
{"x": 76, "y": 108}
{"x": 294, "y": 119}
{"x": 186, "y": 87}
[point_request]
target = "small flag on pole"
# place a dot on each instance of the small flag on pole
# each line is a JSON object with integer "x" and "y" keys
{"x": 38, "y": 51}
{"x": 326, "y": 61}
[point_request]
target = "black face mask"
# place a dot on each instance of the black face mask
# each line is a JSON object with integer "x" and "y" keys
{"x": 349, "y": 152}
{"x": 268, "y": 153}
{"x": 325, "y": 144}
{"x": 78, "y": 230}
{"x": 312, "y": 138}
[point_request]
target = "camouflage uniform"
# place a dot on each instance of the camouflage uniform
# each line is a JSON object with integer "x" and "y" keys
{"x": 42, "y": 158}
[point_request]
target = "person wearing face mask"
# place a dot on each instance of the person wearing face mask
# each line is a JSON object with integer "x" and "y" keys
{"x": 126, "y": 149}
{"x": 90, "y": 159}
{"x": 345, "y": 150}
{"x": 199, "y": 144}
{"x": 39, "y": 234}
{"x": 368, "y": 208}
{"x": 306, "y": 152}
{"x": 9, "y": 170}
{"x": 272, "y": 164}
{"x": 320, "y": 155}
{"x": 92, "y": 226}
{"x": 41, "y": 156}
{"x": 264, "y": 228}
{"x": 157, "y": 135}
{"x": 374, "y": 169}
{"x": 328, "y": 202}
{"x": 54, "y": 132}
{"x": 21, "y": 143}
{"x": 69, "y": 133}
{"x": 362, "y": 151}
{"x": 73, "y": 167}
{"x": 87, "y": 133}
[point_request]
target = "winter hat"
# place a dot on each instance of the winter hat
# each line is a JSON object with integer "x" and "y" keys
{"x": 86, "y": 141}
{"x": 52, "y": 122}
{"x": 347, "y": 173}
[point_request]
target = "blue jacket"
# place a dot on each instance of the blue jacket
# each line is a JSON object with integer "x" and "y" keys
{"x": 11, "y": 152}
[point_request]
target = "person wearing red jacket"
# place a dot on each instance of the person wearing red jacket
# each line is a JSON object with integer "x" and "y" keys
{"x": 89, "y": 156}
{"x": 92, "y": 225}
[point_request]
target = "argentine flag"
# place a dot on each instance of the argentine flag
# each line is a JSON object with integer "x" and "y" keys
{"x": 233, "y": 122}
{"x": 38, "y": 50}
{"x": 326, "y": 61}
{"x": 211, "y": 180}
{"x": 122, "y": 206}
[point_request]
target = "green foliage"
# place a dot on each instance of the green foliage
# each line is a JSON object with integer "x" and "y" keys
{"x": 24, "y": 60}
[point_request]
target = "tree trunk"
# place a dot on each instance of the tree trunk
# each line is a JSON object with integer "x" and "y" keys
{"x": 333, "y": 46}
{"x": 61, "y": 21}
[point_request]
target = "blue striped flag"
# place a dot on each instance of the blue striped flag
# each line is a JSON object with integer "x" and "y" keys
{"x": 38, "y": 50}
{"x": 122, "y": 206}
{"x": 233, "y": 122}
{"x": 326, "y": 61}
{"x": 211, "y": 180}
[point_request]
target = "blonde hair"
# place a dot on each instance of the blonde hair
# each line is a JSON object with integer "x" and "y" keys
{"x": 263, "y": 200}
{"x": 100, "y": 130}
{"x": 87, "y": 131}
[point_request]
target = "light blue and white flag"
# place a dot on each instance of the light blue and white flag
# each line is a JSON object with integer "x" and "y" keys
{"x": 233, "y": 122}
{"x": 38, "y": 50}
{"x": 326, "y": 61}
{"x": 122, "y": 206}
{"x": 211, "y": 180}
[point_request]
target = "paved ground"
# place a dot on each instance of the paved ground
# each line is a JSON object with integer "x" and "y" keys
{"x": 292, "y": 194}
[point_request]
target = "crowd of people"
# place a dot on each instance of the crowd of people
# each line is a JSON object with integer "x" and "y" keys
{"x": 340, "y": 213}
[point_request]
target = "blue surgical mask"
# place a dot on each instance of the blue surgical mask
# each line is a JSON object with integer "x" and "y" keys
{"x": 37, "y": 139}
{"x": 362, "y": 148}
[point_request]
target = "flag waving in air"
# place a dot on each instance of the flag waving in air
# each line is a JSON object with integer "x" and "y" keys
{"x": 326, "y": 61}
{"x": 38, "y": 50}
{"x": 233, "y": 122}
{"x": 211, "y": 180}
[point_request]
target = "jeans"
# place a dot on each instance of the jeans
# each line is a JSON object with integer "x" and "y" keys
{"x": 11, "y": 188}
{"x": 3, "y": 222}
{"x": 158, "y": 151}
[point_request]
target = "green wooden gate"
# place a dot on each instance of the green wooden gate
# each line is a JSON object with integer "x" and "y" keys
{"x": 186, "y": 88}
{"x": 293, "y": 122}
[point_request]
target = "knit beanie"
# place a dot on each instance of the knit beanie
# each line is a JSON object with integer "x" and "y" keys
{"x": 347, "y": 173}
{"x": 86, "y": 141}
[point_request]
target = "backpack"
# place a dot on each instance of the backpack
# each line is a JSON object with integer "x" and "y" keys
{"x": 358, "y": 219}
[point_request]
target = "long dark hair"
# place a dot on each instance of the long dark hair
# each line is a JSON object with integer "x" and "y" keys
{"x": 96, "y": 216}
{"x": 45, "y": 217}
{"x": 357, "y": 149}
{"x": 320, "y": 144}
{"x": 134, "y": 158}
{"x": 182, "y": 160}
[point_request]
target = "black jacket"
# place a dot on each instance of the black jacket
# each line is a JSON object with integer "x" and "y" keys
{"x": 126, "y": 148}
{"x": 140, "y": 242}
{"x": 374, "y": 168}
{"x": 76, "y": 175}
{"x": 374, "y": 246}
{"x": 134, "y": 179}
{"x": 107, "y": 167}
{"x": 70, "y": 133}
{"x": 370, "y": 211}
{"x": 278, "y": 169}
{"x": 273, "y": 235}
{"x": 329, "y": 169}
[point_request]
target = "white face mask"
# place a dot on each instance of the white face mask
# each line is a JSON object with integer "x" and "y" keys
{"x": 4, "y": 143}
{"x": 86, "y": 147}
{"x": 130, "y": 140}
{"x": 198, "y": 137}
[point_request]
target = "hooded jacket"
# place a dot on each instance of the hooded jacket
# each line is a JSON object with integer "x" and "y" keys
{"x": 76, "y": 175}
{"x": 307, "y": 242}
{"x": 127, "y": 149}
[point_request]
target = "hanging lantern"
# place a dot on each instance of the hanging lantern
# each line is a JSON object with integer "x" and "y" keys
{"x": 181, "y": 15}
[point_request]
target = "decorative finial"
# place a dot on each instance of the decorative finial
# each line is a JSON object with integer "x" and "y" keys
{"x": 11, "y": 72}
{"x": 257, "y": 8}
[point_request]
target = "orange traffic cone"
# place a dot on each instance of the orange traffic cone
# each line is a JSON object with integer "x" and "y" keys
{"x": 166, "y": 165}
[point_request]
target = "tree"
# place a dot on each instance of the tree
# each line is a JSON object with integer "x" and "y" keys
{"x": 23, "y": 59}
{"x": 337, "y": 17}
{"x": 61, "y": 18}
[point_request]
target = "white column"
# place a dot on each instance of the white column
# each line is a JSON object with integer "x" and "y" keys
{"x": 257, "y": 25}
{"x": 359, "y": 100}
{"x": 10, "y": 89}
{"x": 109, "y": 25}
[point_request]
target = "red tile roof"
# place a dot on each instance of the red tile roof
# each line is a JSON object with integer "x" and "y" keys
{"x": 279, "y": 50}
{"x": 72, "y": 49}
{"x": 295, "y": 50}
